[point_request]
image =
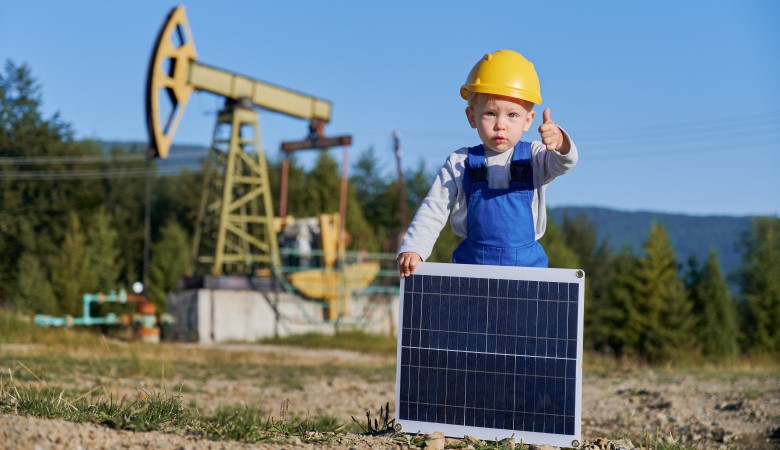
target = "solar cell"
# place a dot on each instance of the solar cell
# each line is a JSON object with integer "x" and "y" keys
{"x": 492, "y": 352}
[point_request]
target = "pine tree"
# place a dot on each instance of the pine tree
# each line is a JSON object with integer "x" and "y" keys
{"x": 43, "y": 206}
{"x": 714, "y": 310}
{"x": 559, "y": 254}
{"x": 33, "y": 291}
{"x": 324, "y": 188}
{"x": 660, "y": 313}
{"x": 760, "y": 283}
{"x": 170, "y": 260}
{"x": 612, "y": 331}
{"x": 103, "y": 253}
{"x": 596, "y": 260}
{"x": 71, "y": 270}
{"x": 378, "y": 195}
{"x": 24, "y": 132}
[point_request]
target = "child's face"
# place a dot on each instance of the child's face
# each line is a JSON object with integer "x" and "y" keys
{"x": 500, "y": 121}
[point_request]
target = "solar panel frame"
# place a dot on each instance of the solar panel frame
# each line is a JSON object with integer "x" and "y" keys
{"x": 456, "y": 373}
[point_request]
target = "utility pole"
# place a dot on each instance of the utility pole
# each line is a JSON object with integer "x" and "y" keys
{"x": 402, "y": 206}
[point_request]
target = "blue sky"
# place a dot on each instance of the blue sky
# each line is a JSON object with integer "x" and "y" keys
{"x": 675, "y": 106}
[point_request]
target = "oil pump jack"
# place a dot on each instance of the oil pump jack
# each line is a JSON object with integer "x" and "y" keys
{"x": 236, "y": 231}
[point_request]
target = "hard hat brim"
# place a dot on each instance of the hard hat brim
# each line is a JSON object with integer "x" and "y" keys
{"x": 500, "y": 90}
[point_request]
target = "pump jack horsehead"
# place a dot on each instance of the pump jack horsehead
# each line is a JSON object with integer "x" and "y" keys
{"x": 236, "y": 206}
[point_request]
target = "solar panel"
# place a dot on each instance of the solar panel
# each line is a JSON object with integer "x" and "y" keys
{"x": 492, "y": 352}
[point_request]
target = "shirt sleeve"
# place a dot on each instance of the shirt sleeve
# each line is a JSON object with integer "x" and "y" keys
{"x": 553, "y": 164}
{"x": 432, "y": 214}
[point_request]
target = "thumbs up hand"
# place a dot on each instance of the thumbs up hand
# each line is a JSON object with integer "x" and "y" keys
{"x": 552, "y": 136}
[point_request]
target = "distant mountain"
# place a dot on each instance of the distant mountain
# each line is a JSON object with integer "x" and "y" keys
{"x": 690, "y": 235}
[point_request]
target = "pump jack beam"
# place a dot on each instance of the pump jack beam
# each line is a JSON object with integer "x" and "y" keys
{"x": 316, "y": 143}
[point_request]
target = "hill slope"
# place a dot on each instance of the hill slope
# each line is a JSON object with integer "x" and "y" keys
{"x": 690, "y": 235}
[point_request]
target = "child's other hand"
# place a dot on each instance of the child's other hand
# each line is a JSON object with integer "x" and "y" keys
{"x": 552, "y": 136}
{"x": 407, "y": 263}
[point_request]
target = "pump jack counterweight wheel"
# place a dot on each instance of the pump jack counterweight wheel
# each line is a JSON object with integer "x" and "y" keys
{"x": 168, "y": 75}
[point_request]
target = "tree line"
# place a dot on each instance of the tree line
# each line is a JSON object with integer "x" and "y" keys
{"x": 72, "y": 222}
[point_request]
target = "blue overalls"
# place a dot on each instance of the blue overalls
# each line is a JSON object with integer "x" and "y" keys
{"x": 500, "y": 223}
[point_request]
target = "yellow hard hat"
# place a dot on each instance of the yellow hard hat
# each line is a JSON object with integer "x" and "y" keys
{"x": 504, "y": 72}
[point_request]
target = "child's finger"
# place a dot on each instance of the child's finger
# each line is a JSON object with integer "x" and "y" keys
{"x": 546, "y": 116}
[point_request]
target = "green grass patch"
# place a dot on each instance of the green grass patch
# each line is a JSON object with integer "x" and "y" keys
{"x": 156, "y": 411}
{"x": 163, "y": 412}
{"x": 357, "y": 341}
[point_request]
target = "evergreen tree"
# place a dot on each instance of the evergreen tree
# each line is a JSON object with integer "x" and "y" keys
{"x": 596, "y": 260}
{"x": 324, "y": 188}
{"x": 610, "y": 331}
{"x": 71, "y": 271}
{"x": 103, "y": 253}
{"x": 361, "y": 232}
{"x": 418, "y": 183}
{"x": 125, "y": 203}
{"x": 559, "y": 254}
{"x": 660, "y": 313}
{"x": 760, "y": 282}
{"x": 44, "y": 204}
{"x": 170, "y": 260}
{"x": 34, "y": 293}
{"x": 714, "y": 310}
{"x": 23, "y": 132}
{"x": 369, "y": 180}
{"x": 378, "y": 195}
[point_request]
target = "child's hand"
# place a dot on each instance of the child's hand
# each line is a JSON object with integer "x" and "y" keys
{"x": 552, "y": 136}
{"x": 407, "y": 263}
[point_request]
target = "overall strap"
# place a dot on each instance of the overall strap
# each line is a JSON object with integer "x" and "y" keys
{"x": 475, "y": 173}
{"x": 521, "y": 172}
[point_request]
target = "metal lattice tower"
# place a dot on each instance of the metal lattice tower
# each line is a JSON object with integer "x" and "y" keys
{"x": 235, "y": 229}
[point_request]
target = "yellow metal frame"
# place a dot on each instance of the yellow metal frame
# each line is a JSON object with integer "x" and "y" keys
{"x": 238, "y": 195}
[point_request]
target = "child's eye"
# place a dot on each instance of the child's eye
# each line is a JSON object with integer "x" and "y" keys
{"x": 513, "y": 115}
{"x": 489, "y": 113}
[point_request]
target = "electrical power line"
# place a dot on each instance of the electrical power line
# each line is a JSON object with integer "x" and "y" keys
{"x": 761, "y": 130}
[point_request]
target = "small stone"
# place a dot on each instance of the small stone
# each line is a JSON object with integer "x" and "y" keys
{"x": 435, "y": 441}
{"x": 508, "y": 443}
{"x": 623, "y": 444}
{"x": 472, "y": 440}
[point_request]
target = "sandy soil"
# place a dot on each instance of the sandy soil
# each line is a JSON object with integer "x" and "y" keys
{"x": 730, "y": 411}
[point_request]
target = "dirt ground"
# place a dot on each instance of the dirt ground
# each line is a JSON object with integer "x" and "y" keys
{"x": 729, "y": 410}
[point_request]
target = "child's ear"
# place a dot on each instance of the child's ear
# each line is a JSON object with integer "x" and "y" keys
{"x": 470, "y": 117}
{"x": 529, "y": 119}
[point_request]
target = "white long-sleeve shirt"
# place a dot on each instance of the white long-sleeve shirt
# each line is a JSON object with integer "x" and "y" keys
{"x": 446, "y": 198}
